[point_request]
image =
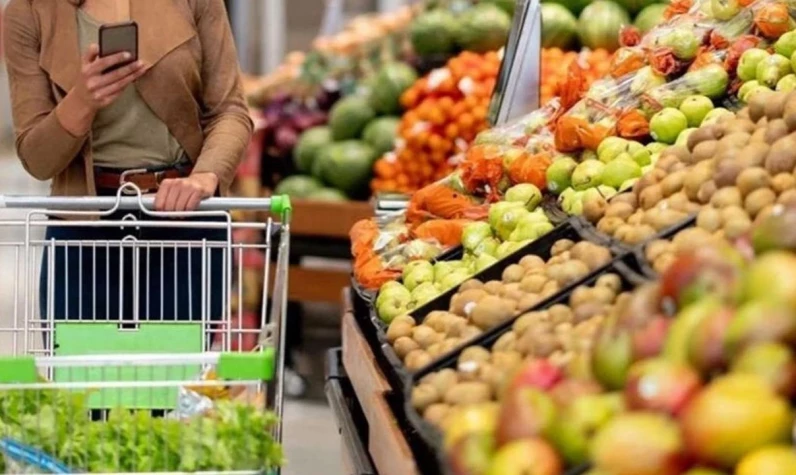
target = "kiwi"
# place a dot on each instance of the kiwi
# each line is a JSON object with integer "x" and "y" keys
{"x": 651, "y": 196}
{"x": 709, "y": 219}
{"x": 736, "y": 227}
{"x": 758, "y": 136}
{"x": 667, "y": 160}
{"x": 783, "y": 182}
{"x": 468, "y": 392}
{"x": 424, "y": 395}
{"x": 775, "y": 130}
{"x": 666, "y": 218}
{"x": 628, "y": 198}
{"x": 462, "y": 303}
{"x": 560, "y": 246}
{"x": 513, "y": 273}
{"x": 594, "y": 207}
{"x": 727, "y": 172}
{"x": 673, "y": 183}
{"x": 757, "y": 107}
{"x": 491, "y": 311}
{"x": 702, "y": 135}
{"x": 471, "y": 284}
{"x": 727, "y": 196}
{"x": 636, "y": 217}
{"x": 704, "y": 151}
{"x": 654, "y": 249}
{"x": 754, "y": 154}
{"x": 751, "y": 179}
{"x": 733, "y": 142}
{"x": 695, "y": 179}
{"x": 436, "y": 413}
{"x": 775, "y": 106}
{"x": 706, "y": 191}
{"x": 619, "y": 209}
{"x": 787, "y": 198}
{"x": 493, "y": 287}
{"x": 609, "y": 225}
{"x": 738, "y": 124}
{"x": 782, "y": 156}
{"x": 759, "y": 199}
{"x": 404, "y": 345}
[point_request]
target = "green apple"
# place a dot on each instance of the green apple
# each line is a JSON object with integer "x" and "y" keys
{"x": 786, "y": 44}
{"x": 746, "y": 88}
{"x": 715, "y": 115}
{"x": 711, "y": 81}
{"x": 629, "y": 184}
{"x": 483, "y": 261}
{"x": 474, "y": 233}
{"x": 787, "y": 83}
{"x": 424, "y": 293}
{"x": 509, "y": 247}
{"x": 725, "y": 9}
{"x": 619, "y": 171}
{"x": 639, "y": 153}
{"x": 747, "y": 65}
{"x": 488, "y": 246}
{"x": 682, "y": 139}
{"x": 612, "y": 147}
{"x": 530, "y": 230}
{"x": 559, "y": 174}
{"x": 606, "y": 191}
{"x": 497, "y": 210}
{"x": 454, "y": 279}
{"x": 682, "y": 41}
{"x": 587, "y": 174}
{"x": 525, "y": 193}
{"x": 392, "y": 301}
{"x": 656, "y": 147}
{"x": 415, "y": 265}
{"x": 573, "y": 203}
{"x": 772, "y": 69}
{"x": 442, "y": 269}
{"x": 420, "y": 275}
{"x": 695, "y": 109}
{"x": 507, "y": 219}
{"x": 667, "y": 124}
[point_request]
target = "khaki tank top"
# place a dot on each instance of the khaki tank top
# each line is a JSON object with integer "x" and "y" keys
{"x": 127, "y": 134}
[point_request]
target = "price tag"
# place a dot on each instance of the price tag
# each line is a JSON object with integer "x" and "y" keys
{"x": 517, "y": 89}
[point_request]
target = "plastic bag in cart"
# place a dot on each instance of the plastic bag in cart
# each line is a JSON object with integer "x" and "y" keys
{"x": 520, "y": 131}
{"x": 711, "y": 80}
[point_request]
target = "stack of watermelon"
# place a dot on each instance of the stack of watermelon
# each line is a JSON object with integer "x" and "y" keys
{"x": 595, "y": 24}
{"x": 336, "y": 160}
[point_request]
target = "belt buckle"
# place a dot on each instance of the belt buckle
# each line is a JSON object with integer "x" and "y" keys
{"x": 124, "y": 179}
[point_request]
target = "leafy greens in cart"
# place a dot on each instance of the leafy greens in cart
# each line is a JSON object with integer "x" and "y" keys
{"x": 234, "y": 436}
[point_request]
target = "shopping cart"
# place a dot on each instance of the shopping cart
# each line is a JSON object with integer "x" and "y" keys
{"x": 124, "y": 352}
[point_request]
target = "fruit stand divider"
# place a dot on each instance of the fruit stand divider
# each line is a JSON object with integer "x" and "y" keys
{"x": 626, "y": 267}
{"x": 352, "y": 424}
{"x": 399, "y": 377}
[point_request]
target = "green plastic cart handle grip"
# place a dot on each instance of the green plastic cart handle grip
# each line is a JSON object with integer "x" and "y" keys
{"x": 280, "y": 204}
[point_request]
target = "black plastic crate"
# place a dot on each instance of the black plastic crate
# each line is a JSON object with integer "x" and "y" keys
{"x": 392, "y": 366}
{"x": 428, "y": 438}
{"x": 351, "y": 422}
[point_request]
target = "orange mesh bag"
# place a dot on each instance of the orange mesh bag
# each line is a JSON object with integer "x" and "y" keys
{"x": 440, "y": 201}
{"x": 371, "y": 273}
{"x": 447, "y": 232}
{"x": 632, "y": 125}
{"x": 627, "y": 60}
{"x": 531, "y": 169}
{"x": 773, "y": 20}
{"x": 677, "y": 7}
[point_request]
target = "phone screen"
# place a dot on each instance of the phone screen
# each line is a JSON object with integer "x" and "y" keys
{"x": 118, "y": 39}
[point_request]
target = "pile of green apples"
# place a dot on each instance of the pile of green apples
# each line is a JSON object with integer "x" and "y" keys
{"x": 763, "y": 72}
{"x": 512, "y": 224}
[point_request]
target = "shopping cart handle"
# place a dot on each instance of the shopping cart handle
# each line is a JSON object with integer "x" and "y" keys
{"x": 277, "y": 204}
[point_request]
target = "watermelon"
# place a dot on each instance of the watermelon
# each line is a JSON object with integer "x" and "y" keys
{"x": 309, "y": 143}
{"x": 575, "y": 6}
{"x": 635, "y": 6}
{"x": 327, "y": 194}
{"x": 298, "y": 186}
{"x": 505, "y": 5}
{"x": 347, "y": 166}
{"x": 380, "y": 134}
{"x": 650, "y": 17}
{"x": 599, "y": 25}
{"x": 559, "y": 26}
{"x": 433, "y": 33}
{"x": 482, "y": 28}
{"x": 349, "y": 116}
{"x": 390, "y": 82}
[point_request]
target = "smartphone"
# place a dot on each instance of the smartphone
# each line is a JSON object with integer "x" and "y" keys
{"x": 119, "y": 38}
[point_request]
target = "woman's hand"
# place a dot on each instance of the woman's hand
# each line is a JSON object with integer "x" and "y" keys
{"x": 95, "y": 89}
{"x": 185, "y": 194}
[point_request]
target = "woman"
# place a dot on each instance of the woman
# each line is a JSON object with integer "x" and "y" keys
{"x": 174, "y": 123}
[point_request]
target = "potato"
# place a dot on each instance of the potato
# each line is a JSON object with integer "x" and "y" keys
{"x": 695, "y": 179}
{"x": 526, "y": 321}
{"x": 646, "y": 180}
{"x": 417, "y": 359}
{"x": 754, "y": 155}
{"x": 493, "y": 287}
{"x": 598, "y": 257}
{"x": 405, "y": 345}
{"x": 495, "y": 377}
{"x": 627, "y": 198}
{"x": 655, "y": 248}
{"x": 602, "y": 294}
{"x": 782, "y": 156}
{"x": 775, "y": 130}
{"x": 512, "y": 292}
{"x": 775, "y": 107}
{"x": 732, "y": 143}
{"x": 506, "y": 360}
{"x": 651, "y": 196}
{"x": 736, "y": 227}
{"x": 690, "y": 238}
{"x": 450, "y": 344}
{"x": 783, "y": 182}
{"x": 609, "y": 225}
{"x": 636, "y": 218}
{"x": 662, "y": 262}
{"x": 441, "y": 380}
{"x": 434, "y": 319}
{"x": 757, "y": 107}
{"x": 751, "y": 179}
{"x": 560, "y": 313}
{"x": 639, "y": 234}
{"x": 679, "y": 202}
{"x": 727, "y": 196}
{"x": 619, "y": 210}
{"x": 704, "y": 151}
{"x": 758, "y": 136}
{"x": 537, "y": 344}
{"x": 787, "y": 198}
{"x": 737, "y": 125}
{"x": 759, "y": 199}
{"x": 471, "y": 392}
{"x": 588, "y": 310}
{"x": 702, "y": 135}
{"x": 672, "y": 183}
{"x": 436, "y": 413}
{"x": 532, "y": 262}
{"x": 623, "y": 233}
{"x": 611, "y": 282}
{"x": 580, "y": 295}
{"x": 471, "y": 284}
{"x": 454, "y": 325}
{"x": 435, "y": 350}
{"x": 727, "y": 172}
{"x": 709, "y": 219}
{"x": 426, "y": 336}
{"x": 550, "y": 288}
{"x": 529, "y": 301}
{"x": 408, "y": 319}
{"x": 570, "y": 272}
{"x": 470, "y": 333}
{"x": 491, "y": 311}
{"x": 506, "y": 342}
{"x": 462, "y": 303}
{"x": 397, "y": 330}
{"x": 533, "y": 283}
{"x": 764, "y": 214}
{"x": 561, "y": 246}
{"x": 666, "y": 218}
{"x": 424, "y": 395}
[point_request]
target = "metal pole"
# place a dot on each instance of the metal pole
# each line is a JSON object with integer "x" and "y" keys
{"x": 273, "y": 35}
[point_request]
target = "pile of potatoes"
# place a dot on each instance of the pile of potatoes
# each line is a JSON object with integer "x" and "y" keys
{"x": 563, "y": 333}
{"x": 662, "y": 252}
{"x": 479, "y": 306}
{"x": 730, "y": 174}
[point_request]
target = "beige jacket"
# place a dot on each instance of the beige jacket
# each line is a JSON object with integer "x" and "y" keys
{"x": 193, "y": 85}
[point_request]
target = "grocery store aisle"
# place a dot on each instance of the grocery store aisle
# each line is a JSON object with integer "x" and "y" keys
{"x": 311, "y": 440}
